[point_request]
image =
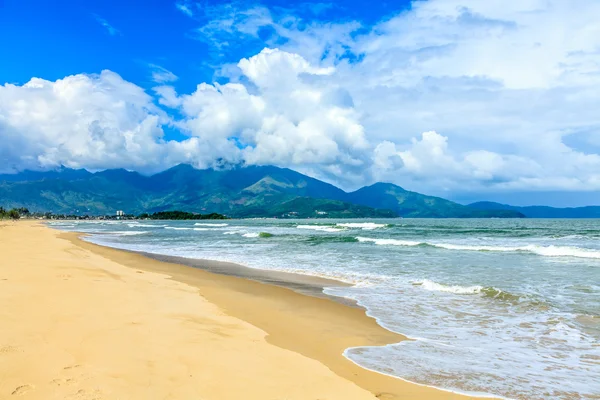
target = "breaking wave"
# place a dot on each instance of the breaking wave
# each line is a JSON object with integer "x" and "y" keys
{"x": 547, "y": 251}
{"x": 208, "y": 224}
{"x": 322, "y": 228}
{"x": 361, "y": 225}
{"x": 125, "y": 233}
{"x": 488, "y": 292}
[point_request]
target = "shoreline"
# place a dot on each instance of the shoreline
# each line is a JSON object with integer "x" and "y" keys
{"x": 308, "y": 285}
{"x": 302, "y": 285}
{"x": 87, "y": 321}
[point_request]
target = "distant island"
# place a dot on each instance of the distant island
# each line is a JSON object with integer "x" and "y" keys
{"x": 240, "y": 192}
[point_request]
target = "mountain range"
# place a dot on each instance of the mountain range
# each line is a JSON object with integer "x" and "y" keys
{"x": 253, "y": 191}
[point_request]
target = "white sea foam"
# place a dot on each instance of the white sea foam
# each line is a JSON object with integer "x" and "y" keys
{"x": 202, "y": 229}
{"x": 322, "y": 228}
{"x": 390, "y": 242}
{"x": 145, "y": 226}
{"x": 177, "y": 228}
{"x": 548, "y": 251}
{"x": 438, "y": 287}
{"x": 126, "y": 233}
{"x": 207, "y": 224}
{"x": 560, "y": 251}
{"x": 250, "y": 235}
{"x": 361, "y": 225}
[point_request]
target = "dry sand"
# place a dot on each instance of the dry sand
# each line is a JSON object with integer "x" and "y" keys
{"x": 80, "y": 321}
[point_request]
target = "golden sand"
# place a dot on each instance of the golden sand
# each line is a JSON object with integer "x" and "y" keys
{"x": 80, "y": 321}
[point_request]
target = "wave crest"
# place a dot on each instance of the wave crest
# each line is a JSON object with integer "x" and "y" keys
{"x": 361, "y": 225}
{"x": 485, "y": 291}
{"x": 322, "y": 228}
{"x": 209, "y": 225}
{"x": 547, "y": 251}
{"x": 438, "y": 287}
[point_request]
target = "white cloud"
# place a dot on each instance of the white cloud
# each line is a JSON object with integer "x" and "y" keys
{"x": 430, "y": 159}
{"x": 109, "y": 28}
{"x": 185, "y": 7}
{"x": 92, "y": 121}
{"x": 292, "y": 119}
{"x": 236, "y": 24}
{"x": 162, "y": 75}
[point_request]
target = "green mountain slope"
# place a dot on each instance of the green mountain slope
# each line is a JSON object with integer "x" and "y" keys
{"x": 256, "y": 191}
{"x": 412, "y": 204}
{"x": 542, "y": 211}
{"x": 308, "y": 207}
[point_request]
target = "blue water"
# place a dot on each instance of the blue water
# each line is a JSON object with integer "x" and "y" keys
{"x": 509, "y": 308}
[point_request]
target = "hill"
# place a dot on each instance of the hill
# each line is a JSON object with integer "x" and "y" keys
{"x": 255, "y": 191}
{"x": 542, "y": 211}
{"x": 412, "y": 204}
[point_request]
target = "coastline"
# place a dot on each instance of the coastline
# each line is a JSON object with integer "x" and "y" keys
{"x": 303, "y": 284}
{"x": 288, "y": 309}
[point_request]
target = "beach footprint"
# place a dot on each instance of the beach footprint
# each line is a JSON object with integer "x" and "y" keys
{"x": 21, "y": 390}
{"x": 63, "y": 381}
{"x": 86, "y": 394}
{"x": 9, "y": 349}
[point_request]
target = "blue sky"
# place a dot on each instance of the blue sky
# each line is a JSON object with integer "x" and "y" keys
{"x": 52, "y": 41}
{"x": 464, "y": 99}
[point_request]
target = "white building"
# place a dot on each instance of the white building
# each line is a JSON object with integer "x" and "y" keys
{"x": 120, "y": 213}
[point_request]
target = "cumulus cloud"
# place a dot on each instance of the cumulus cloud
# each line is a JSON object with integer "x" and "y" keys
{"x": 86, "y": 121}
{"x": 291, "y": 117}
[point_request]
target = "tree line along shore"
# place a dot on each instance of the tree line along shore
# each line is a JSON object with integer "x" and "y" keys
{"x": 17, "y": 213}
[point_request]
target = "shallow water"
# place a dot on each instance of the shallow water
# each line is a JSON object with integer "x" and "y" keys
{"x": 505, "y": 307}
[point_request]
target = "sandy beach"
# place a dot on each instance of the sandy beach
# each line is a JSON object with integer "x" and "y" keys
{"x": 81, "y": 321}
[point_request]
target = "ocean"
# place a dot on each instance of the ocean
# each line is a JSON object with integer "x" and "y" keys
{"x": 507, "y": 308}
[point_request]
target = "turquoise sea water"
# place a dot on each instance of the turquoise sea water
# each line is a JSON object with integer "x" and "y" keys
{"x": 509, "y": 308}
